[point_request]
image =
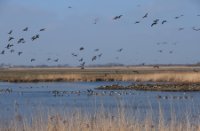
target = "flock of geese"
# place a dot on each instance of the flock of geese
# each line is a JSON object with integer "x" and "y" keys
{"x": 10, "y": 48}
{"x": 11, "y": 43}
{"x": 91, "y": 92}
{"x": 162, "y": 21}
{"x": 98, "y": 54}
{"x": 93, "y": 58}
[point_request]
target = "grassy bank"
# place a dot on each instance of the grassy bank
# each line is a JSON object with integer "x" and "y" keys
{"x": 166, "y": 74}
{"x": 173, "y": 87}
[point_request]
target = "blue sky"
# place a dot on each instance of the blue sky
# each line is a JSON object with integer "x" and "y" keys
{"x": 68, "y": 29}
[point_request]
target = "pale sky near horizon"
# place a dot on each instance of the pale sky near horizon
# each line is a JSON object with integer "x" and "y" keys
{"x": 68, "y": 29}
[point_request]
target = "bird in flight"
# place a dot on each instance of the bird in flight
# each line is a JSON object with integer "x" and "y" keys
{"x": 82, "y": 65}
{"x": 94, "y": 58}
{"x": 176, "y": 17}
{"x": 25, "y": 29}
{"x": 35, "y": 37}
{"x": 137, "y": 22}
{"x": 21, "y": 40}
{"x": 9, "y": 45}
{"x": 11, "y": 38}
{"x": 81, "y": 60}
{"x": 10, "y": 32}
{"x": 48, "y": 59}
{"x": 145, "y": 16}
{"x": 19, "y": 53}
{"x": 11, "y": 51}
{"x": 196, "y": 29}
{"x": 32, "y": 59}
{"x": 154, "y": 22}
{"x": 56, "y": 60}
{"x": 43, "y": 29}
{"x": 117, "y": 17}
{"x": 100, "y": 55}
{"x": 180, "y": 29}
{"x": 164, "y": 21}
{"x": 75, "y": 55}
{"x": 82, "y": 48}
{"x": 120, "y": 50}
{"x": 96, "y": 50}
{"x": 3, "y": 52}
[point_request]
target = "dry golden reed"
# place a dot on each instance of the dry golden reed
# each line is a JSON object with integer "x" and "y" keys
{"x": 165, "y": 74}
{"x": 155, "y": 77}
{"x": 100, "y": 121}
{"x": 164, "y": 77}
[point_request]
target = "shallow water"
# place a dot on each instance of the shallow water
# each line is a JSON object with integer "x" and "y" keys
{"x": 28, "y": 99}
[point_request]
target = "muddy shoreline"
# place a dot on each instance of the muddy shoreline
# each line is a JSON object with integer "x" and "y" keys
{"x": 170, "y": 87}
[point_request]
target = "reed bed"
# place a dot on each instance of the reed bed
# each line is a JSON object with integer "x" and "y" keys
{"x": 101, "y": 121}
{"x": 188, "y": 77}
{"x": 88, "y": 75}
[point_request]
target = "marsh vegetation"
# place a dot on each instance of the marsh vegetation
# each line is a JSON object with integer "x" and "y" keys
{"x": 163, "y": 74}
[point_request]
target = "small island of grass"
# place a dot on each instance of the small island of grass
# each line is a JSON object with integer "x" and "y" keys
{"x": 155, "y": 87}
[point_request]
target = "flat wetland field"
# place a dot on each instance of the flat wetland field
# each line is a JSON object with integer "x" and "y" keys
{"x": 185, "y": 78}
{"x": 189, "y": 74}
